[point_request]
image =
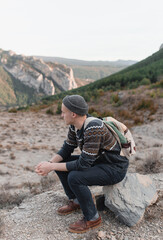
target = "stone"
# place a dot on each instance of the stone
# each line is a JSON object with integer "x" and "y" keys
{"x": 101, "y": 234}
{"x": 129, "y": 198}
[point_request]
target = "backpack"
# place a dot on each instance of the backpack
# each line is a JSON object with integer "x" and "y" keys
{"x": 121, "y": 133}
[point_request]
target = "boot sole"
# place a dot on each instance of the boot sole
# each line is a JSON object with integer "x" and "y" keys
{"x": 86, "y": 230}
{"x": 63, "y": 214}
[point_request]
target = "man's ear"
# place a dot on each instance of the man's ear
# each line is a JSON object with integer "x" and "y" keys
{"x": 74, "y": 115}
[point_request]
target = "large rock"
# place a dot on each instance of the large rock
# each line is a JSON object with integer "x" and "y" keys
{"x": 129, "y": 198}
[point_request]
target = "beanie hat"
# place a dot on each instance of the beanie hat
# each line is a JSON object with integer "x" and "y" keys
{"x": 76, "y": 104}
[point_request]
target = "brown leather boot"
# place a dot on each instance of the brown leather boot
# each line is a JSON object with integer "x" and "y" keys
{"x": 69, "y": 208}
{"x": 83, "y": 225}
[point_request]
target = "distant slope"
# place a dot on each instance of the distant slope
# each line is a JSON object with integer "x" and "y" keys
{"x": 7, "y": 94}
{"x": 77, "y": 62}
{"x": 150, "y": 68}
{"x": 91, "y": 69}
{"x": 13, "y": 92}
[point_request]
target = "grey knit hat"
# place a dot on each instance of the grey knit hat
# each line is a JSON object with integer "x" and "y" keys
{"x": 76, "y": 104}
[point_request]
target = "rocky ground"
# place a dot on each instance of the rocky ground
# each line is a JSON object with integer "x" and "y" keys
{"x": 27, "y": 138}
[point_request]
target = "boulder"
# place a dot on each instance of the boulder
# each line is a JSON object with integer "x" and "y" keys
{"x": 129, "y": 198}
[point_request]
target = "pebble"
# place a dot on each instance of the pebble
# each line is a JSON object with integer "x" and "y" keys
{"x": 113, "y": 238}
{"x": 101, "y": 234}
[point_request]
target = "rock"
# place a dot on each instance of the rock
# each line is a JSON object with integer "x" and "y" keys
{"x": 129, "y": 198}
{"x": 31, "y": 78}
{"x": 38, "y": 75}
{"x": 101, "y": 234}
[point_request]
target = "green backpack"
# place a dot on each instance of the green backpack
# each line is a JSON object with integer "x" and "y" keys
{"x": 121, "y": 133}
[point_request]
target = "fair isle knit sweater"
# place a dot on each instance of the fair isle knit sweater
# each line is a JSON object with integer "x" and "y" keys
{"x": 92, "y": 141}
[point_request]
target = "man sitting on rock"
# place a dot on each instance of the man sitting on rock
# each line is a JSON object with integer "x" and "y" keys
{"x": 99, "y": 163}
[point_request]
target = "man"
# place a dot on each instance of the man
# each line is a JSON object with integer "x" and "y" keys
{"x": 99, "y": 163}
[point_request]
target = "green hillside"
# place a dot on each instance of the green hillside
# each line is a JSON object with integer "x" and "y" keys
{"x": 144, "y": 72}
{"x": 7, "y": 94}
{"x": 13, "y": 92}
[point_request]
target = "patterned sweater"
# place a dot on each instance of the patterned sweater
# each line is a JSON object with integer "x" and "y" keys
{"x": 92, "y": 141}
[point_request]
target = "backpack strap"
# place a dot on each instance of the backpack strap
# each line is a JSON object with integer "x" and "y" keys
{"x": 88, "y": 120}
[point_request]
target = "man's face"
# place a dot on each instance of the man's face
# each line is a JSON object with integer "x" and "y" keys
{"x": 67, "y": 115}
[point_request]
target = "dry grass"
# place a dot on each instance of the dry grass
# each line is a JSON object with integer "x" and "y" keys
{"x": 124, "y": 114}
{"x": 155, "y": 211}
{"x": 8, "y": 200}
{"x": 1, "y": 226}
{"x": 146, "y": 104}
{"x": 47, "y": 183}
{"x": 151, "y": 164}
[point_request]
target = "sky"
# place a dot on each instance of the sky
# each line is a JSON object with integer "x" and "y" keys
{"x": 82, "y": 29}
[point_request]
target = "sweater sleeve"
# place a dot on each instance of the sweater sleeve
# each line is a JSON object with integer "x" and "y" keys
{"x": 69, "y": 145}
{"x": 93, "y": 138}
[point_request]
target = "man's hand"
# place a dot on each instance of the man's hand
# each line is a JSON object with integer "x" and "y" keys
{"x": 43, "y": 168}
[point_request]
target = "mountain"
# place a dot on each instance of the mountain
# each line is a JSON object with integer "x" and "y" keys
{"x": 149, "y": 70}
{"x": 26, "y": 79}
{"x": 77, "y": 62}
{"x": 91, "y": 69}
{"x": 161, "y": 46}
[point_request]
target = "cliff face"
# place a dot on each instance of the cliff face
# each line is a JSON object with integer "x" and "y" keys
{"x": 42, "y": 78}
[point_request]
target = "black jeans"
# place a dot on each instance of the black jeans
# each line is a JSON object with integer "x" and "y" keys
{"x": 75, "y": 183}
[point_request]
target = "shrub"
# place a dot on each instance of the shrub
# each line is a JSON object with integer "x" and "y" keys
{"x": 145, "y": 81}
{"x": 9, "y": 200}
{"x": 133, "y": 85}
{"x": 147, "y": 104}
{"x": 138, "y": 120}
{"x": 59, "y": 108}
{"x": 13, "y": 110}
{"x": 124, "y": 113}
{"x": 50, "y": 111}
{"x": 144, "y": 104}
{"x": 114, "y": 98}
{"x": 152, "y": 163}
{"x": 100, "y": 92}
{"x": 93, "y": 112}
{"x": 157, "y": 84}
{"x": 107, "y": 114}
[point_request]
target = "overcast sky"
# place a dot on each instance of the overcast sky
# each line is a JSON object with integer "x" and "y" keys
{"x": 82, "y": 29}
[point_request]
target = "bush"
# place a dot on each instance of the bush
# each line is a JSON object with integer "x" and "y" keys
{"x": 107, "y": 114}
{"x": 114, "y": 98}
{"x": 157, "y": 84}
{"x": 59, "y": 108}
{"x": 138, "y": 120}
{"x": 9, "y": 200}
{"x": 145, "y": 81}
{"x": 147, "y": 104}
{"x": 13, "y": 110}
{"x": 50, "y": 111}
{"x": 152, "y": 163}
{"x": 93, "y": 112}
{"x": 125, "y": 114}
